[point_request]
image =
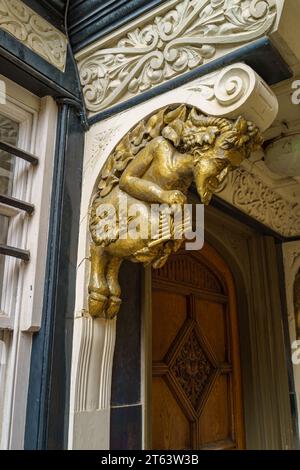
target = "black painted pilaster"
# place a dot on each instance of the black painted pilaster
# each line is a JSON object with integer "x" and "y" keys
{"x": 126, "y": 411}
{"x": 47, "y": 407}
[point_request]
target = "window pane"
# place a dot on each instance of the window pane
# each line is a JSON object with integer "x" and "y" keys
{"x": 9, "y": 131}
{"x": 3, "y": 228}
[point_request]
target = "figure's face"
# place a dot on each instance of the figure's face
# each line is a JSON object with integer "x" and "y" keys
{"x": 209, "y": 173}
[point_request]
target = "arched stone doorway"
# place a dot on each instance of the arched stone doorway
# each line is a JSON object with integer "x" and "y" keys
{"x": 251, "y": 258}
{"x": 101, "y": 347}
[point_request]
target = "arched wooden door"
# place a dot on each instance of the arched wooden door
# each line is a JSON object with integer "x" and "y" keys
{"x": 196, "y": 383}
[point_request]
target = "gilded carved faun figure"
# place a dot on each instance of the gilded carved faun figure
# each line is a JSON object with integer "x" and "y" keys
{"x": 157, "y": 162}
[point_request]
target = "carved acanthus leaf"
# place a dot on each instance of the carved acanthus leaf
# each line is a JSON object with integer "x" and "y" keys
{"x": 33, "y": 31}
{"x": 183, "y": 38}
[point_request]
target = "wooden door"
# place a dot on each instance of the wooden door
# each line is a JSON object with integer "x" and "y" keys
{"x": 196, "y": 383}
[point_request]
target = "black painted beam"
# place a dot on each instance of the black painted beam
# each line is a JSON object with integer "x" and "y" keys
{"x": 52, "y": 10}
{"x": 28, "y": 69}
{"x": 90, "y": 20}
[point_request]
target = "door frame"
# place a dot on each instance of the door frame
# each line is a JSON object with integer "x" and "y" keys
{"x": 263, "y": 360}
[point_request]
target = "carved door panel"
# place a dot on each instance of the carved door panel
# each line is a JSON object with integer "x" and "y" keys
{"x": 196, "y": 384}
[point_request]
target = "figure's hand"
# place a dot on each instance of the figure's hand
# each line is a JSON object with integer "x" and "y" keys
{"x": 173, "y": 197}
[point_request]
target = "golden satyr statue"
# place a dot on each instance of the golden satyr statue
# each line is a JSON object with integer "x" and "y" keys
{"x": 157, "y": 162}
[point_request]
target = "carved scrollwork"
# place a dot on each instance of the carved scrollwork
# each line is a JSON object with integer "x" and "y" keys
{"x": 250, "y": 194}
{"x": 192, "y": 369}
{"x": 236, "y": 87}
{"x": 33, "y": 31}
{"x": 227, "y": 88}
{"x": 185, "y": 37}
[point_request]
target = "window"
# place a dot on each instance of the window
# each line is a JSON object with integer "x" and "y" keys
{"x": 9, "y": 134}
{"x": 27, "y": 140}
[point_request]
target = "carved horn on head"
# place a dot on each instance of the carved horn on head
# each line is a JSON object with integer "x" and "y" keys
{"x": 206, "y": 121}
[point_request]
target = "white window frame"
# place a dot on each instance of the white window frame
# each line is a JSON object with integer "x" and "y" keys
{"x": 23, "y": 286}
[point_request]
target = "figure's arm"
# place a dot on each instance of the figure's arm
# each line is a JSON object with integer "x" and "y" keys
{"x": 131, "y": 180}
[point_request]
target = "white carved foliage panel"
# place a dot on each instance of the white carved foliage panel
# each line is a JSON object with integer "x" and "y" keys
{"x": 188, "y": 34}
{"x": 17, "y": 19}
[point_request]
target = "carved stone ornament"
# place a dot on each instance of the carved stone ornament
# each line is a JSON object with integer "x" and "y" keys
{"x": 250, "y": 194}
{"x": 190, "y": 33}
{"x": 154, "y": 164}
{"x": 157, "y": 162}
{"x": 34, "y": 32}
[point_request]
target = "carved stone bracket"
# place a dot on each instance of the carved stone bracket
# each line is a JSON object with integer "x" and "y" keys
{"x": 236, "y": 88}
{"x": 156, "y": 162}
{"x": 17, "y": 19}
{"x": 187, "y": 34}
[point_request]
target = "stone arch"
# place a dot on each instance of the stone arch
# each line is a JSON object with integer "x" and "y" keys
{"x": 233, "y": 91}
{"x": 258, "y": 330}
